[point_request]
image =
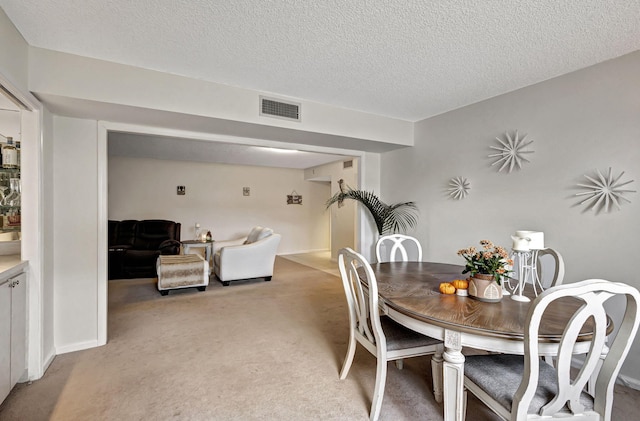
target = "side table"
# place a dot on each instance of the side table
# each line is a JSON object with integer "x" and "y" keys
{"x": 208, "y": 250}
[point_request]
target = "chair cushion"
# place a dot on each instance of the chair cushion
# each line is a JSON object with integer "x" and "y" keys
{"x": 400, "y": 337}
{"x": 500, "y": 376}
{"x": 253, "y": 235}
{"x": 264, "y": 233}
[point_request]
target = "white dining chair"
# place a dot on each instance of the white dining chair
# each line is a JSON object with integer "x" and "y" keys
{"x": 388, "y": 247}
{"x": 381, "y": 336}
{"x": 550, "y": 278}
{"x": 550, "y": 273}
{"x": 525, "y": 387}
{"x": 554, "y": 276}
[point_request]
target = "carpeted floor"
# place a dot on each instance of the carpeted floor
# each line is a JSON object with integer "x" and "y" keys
{"x": 252, "y": 351}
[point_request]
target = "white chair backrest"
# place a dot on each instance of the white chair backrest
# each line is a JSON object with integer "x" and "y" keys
{"x": 364, "y": 314}
{"x": 593, "y": 293}
{"x": 389, "y": 246}
{"x": 550, "y": 276}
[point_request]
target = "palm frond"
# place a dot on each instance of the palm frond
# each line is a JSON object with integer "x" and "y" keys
{"x": 388, "y": 218}
{"x": 401, "y": 216}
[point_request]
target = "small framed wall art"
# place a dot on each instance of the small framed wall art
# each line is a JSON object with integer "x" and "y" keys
{"x": 294, "y": 198}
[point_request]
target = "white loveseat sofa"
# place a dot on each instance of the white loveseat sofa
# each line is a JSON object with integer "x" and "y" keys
{"x": 245, "y": 258}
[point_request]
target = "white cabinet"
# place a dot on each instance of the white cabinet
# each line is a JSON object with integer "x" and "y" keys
{"x": 5, "y": 339}
{"x": 13, "y": 332}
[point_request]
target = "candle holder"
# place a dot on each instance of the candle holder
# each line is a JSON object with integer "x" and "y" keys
{"x": 527, "y": 268}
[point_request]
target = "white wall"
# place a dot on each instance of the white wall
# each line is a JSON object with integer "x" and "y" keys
{"x": 579, "y": 122}
{"x": 369, "y": 181}
{"x": 75, "y": 221}
{"x": 14, "y": 59}
{"x": 61, "y": 75}
{"x": 343, "y": 220}
{"x": 146, "y": 189}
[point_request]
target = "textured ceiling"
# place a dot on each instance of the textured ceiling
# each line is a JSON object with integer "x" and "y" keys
{"x": 409, "y": 59}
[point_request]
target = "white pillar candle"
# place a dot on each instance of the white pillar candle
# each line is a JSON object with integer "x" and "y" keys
{"x": 520, "y": 244}
{"x": 536, "y": 239}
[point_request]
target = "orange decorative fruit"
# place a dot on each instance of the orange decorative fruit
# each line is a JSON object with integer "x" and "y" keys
{"x": 447, "y": 288}
{"x": 460, "y": 283}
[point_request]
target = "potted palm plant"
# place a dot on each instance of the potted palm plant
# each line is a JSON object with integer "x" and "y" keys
{"x": 388, "y": 218}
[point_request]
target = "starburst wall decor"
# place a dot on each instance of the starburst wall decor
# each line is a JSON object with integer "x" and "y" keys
{"x": 511, "y": 152}
{"x": 459, "y": 187}
{"x": 604, "y": 192}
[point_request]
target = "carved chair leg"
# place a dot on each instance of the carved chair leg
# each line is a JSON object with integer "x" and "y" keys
{"x": 378, "y": 391}
{"x": 348, "y": 359}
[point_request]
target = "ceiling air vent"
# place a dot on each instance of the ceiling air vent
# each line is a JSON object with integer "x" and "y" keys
{"x": 347, "y": 164}
{"x": 276, "y": 108}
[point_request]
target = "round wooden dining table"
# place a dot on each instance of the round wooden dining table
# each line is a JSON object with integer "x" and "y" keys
{"x": 409, "y": 294}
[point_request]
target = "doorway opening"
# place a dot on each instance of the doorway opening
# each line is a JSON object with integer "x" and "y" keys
{"x": 166, "y": 141}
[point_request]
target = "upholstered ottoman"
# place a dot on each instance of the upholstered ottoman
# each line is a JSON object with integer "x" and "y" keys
{"x": 182, "y": 271}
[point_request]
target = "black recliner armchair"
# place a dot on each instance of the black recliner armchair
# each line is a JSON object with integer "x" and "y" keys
{"x": 134, "y": 246}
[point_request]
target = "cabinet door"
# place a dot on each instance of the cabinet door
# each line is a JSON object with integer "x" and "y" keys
{"x": 18, "y": 327}
{"x": 5, "y": 339}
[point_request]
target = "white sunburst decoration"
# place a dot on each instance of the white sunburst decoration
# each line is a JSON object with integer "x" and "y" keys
{"x": 460, "y": 187}
{"x": 511, "y": 152}
{"x": 604, "y": 192}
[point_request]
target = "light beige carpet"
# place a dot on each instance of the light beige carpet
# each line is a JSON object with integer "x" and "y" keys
{"x": 252, "y": 351}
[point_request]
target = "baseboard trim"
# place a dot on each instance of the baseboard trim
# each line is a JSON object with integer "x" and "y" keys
{"x": 48, "y": 361}
{"x": 304, "y": 251}
{"x": 36, "y": 373}
{"x": 627, "y": 381}
{"x": 79, "y": 346}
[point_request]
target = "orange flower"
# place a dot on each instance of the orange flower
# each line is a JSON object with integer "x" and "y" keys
{"x": 491, "y": 260}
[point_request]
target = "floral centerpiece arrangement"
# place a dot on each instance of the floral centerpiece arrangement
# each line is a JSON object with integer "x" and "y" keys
{"x": 491, "y": 260}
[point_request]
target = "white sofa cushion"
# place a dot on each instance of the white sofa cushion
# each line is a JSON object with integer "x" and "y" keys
{"x": 253, "y": 235}
{"x": 264, "y": 233}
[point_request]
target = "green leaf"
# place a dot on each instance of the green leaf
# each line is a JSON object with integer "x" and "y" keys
{"x": 388, "y": 218}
